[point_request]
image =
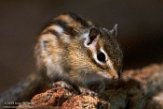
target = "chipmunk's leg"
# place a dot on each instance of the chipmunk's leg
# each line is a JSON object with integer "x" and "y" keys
{"x": 67, "y": 84}
{"x": 86, "y": 91}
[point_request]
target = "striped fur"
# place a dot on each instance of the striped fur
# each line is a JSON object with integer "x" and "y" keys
{"x": 66, "y": 50}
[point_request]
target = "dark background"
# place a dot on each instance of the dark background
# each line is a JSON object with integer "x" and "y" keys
{"x": 140, "y": 30}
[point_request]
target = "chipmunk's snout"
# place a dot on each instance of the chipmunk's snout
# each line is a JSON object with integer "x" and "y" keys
{"x": 113, "y": 74}
{"x": 115, "y": 77}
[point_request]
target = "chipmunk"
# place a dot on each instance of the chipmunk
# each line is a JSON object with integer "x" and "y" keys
{"x": 74, "y": 49}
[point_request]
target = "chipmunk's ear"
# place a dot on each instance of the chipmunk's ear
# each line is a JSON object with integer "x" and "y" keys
{"x": 94, "y": 32}
{"x": 114, "y": 31}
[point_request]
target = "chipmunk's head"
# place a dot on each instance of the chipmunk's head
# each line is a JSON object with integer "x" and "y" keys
{"x": 101, "y": 56}
{"x": 105, "y": 51}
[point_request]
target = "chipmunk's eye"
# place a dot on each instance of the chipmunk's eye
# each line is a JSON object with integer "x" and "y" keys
{"x": 101, "y": 57}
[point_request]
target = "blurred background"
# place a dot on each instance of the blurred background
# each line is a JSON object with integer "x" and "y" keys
{"x": 140, "y": 30}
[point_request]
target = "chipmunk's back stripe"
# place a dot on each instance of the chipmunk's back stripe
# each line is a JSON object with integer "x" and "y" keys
{"x": 78, "y": 18}
{"x": 67, "y": 29}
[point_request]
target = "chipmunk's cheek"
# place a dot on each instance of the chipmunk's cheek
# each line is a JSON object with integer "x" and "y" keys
{"x": 109, "y": 75}
{"x": 104, "y": 74}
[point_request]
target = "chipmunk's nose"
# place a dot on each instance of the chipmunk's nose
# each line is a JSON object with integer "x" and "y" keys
{"x": 113, "y": 74}
{"x": 115, "y": 77}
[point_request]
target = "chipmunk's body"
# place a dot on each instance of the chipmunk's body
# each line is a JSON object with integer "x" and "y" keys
{"x": 71, "y": 49}
{"x": 74, "y": 49}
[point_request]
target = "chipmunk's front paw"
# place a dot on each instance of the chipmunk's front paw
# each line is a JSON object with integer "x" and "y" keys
{"x": 86, "y": 91}
{"x": 62, "y": 84}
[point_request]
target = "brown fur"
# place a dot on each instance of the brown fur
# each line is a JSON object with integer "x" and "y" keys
{"x": 67, "y": 57}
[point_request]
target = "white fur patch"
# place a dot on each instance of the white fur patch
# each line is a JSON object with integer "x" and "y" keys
{"x": 53, "y": 68}
{"x": 108, "y": 60}
{"x": 57, "y": 28}
{"x": 85, "y": 36}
